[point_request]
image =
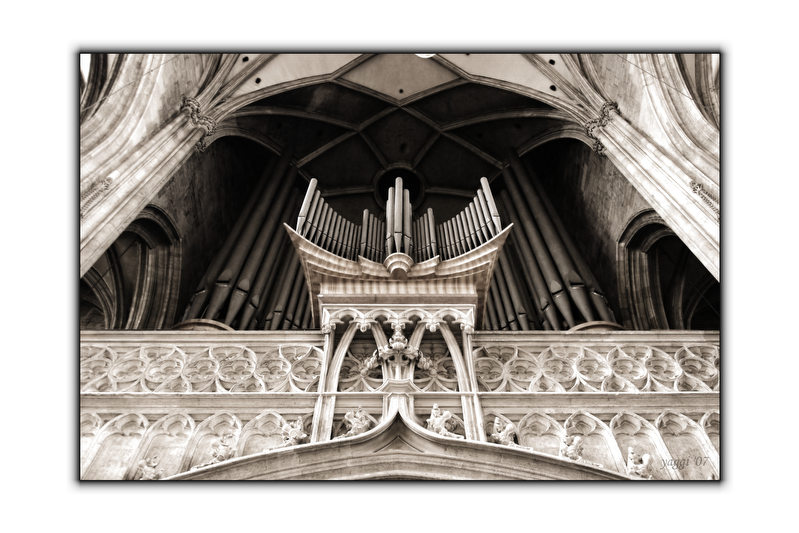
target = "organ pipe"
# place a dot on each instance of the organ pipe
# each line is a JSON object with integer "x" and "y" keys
{"x": 600, "y": 303}
{"x": 306, "y": 203}
{"x": 255, "y": 257}
{"x": 504, "y": 299}
{"x": 256, "y": 294}
{"x": 261, "y": 285}
{"x": 513, "y": 291}
{"x": 293, "y": 269}
{"x": 431, "y": 224}
{"x": 548, "y": 269}
{"x": 563, "y": 261}
{"x": 539, "y": 282}
{"x": 389, "y": 221}
{"x": 406, "y": 222}
{"x": 312, "y": 213}
{"x": 492, "y": 207}
{"x": 398, "y": 196}
{"x": 235, "y": 262}
{"x": 204, "y": 288}
{"x": 294, "y": 299}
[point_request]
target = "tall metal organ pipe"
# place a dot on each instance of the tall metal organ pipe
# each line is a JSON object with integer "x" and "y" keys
{"x": 205, "y": 286}
{"x": 257, "y": 293}
{"x": 539, "y": 286}
{"x": 600, "y": 303}
{"x": 254, "y": 259}
{"x": 243, "y": 245}
{"x": 563, "y": 261}
{"x": 548, "y": 269}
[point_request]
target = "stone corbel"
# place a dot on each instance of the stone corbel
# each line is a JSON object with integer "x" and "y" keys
{"x": 602, "y": 120}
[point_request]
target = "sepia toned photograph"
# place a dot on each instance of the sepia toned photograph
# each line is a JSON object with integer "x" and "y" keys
{"x": 399, "y": 266}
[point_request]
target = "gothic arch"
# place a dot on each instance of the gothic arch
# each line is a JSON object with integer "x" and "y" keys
{"x": 136, "y": 282}
{"x": 654, "y": 268}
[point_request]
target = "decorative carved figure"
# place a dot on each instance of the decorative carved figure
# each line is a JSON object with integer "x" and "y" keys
{"x": 638, "y": 466}
{"x": 357, "y": 422}
{"x": 148, "y": 470}
{"x": 441, "y": 422}
{"x": 400, "y": 355}
{"x": 292, "y": 432}
{"x": 221, "y": 451}
{"x": 572, "y": 447}
{"x": 504, "y": 434}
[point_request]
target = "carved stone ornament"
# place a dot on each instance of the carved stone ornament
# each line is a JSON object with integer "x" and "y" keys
{"x": 441, "y": 422}
{"x": 221, "y": 451}
{"x": 504, "y": 434}
{"x": 191, "y": 106}
{"x": 357, "y": 422}
{"x": 88, "y": 197}
{"x": 293, "y": 433}
{"x": 399, "y": 355}
{"x": 638, "y": 466}
{"x": 572, "y": 448}
{"x": 148, "y": 469}
{"x": 700, "y": 191}
{"x": 602, "y": 120}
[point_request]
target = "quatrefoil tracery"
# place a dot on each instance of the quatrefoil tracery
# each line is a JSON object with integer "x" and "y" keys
{"x": 226, "y": 368}
{"x": 625, "y": 368}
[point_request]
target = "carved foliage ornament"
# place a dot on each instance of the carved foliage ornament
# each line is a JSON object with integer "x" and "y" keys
{"x": 191, "y": 106}
{"x": 399, "y": 355}
{"x": 602, "y": 120}
{"x": 700, "y": 191}
{"x": 364, "y": 319}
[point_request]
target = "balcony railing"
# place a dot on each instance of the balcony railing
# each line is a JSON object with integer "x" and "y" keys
{"x": 157, "y": 403}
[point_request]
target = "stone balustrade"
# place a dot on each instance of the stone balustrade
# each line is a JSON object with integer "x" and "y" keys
{"x": 155, "y": 404}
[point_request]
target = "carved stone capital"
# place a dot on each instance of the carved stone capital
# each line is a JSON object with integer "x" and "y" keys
{"x": 191, "y": 106}
{"x": 602, "y": 120}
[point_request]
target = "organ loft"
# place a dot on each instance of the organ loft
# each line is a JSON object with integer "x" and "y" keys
{"x": 399, "y": 266}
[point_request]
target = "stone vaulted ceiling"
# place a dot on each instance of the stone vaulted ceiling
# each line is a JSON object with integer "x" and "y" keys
{"x": 398, "y": 111}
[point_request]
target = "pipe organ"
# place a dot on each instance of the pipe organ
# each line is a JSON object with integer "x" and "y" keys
{"x": 539, "y": 281}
